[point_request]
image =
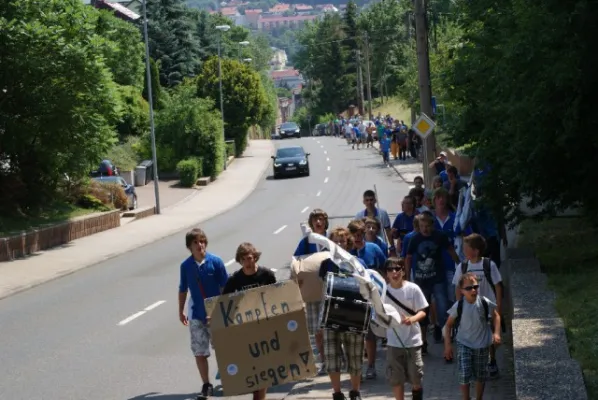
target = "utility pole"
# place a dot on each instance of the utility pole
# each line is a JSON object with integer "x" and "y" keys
{"x": 368, "y": 76}
{"x": 360, "y": 83}
{"x": 425, "y": 87}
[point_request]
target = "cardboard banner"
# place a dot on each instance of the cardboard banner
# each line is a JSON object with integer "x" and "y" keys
{"x": 260, "y": 338}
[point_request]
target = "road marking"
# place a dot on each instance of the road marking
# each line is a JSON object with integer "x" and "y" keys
{"x": 131, "y": 318}
{"x": 304, "y": 210}
{"x": 317, "y": 141}
{"x": 319, "y": 193}
{"x": 325, "y": 152}
{"x": 229, "y": 263}
{"x": 322, "y": 146}
{"x": 327, "y": 159}
{"x": 273, "y": 269}
{"x": 276, "y": 232}
{"x": 156, "y": 304}
{"x": 328, "y": 168}
{"x": 326, "y": 180}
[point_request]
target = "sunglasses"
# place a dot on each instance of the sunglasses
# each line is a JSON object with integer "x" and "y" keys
{"x": 470, "y": 288}
{"x": 394, "y": 269}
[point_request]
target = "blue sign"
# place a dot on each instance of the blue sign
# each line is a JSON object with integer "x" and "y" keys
{"x": 433, "y": 105}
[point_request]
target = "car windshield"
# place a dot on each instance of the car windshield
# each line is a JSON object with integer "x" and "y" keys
{"x": 290, "y": 152}
{"x": 109, "y": 179}
{"x": 288, "y": 126}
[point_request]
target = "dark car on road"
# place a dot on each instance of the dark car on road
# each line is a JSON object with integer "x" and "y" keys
{"x": 119, "y": 180}
{"x": 290, "y": 161}
{"x": 289, "y": 130}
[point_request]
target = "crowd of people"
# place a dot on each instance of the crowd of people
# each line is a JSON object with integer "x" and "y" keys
{"x": 453, "y": 295}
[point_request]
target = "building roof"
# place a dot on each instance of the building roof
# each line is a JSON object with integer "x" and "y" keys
{"x": 285, "y": 73}
{"x": 251, "y": 11}
{"x": 280, "y": 7}
{"x": 280, "y": 18}
{"x": 303, "y": 7}
{"x": 229, "y": 10}
{"x": 122, "y": 9}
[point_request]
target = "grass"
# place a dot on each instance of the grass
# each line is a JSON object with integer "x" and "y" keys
{"x": 568, "y": 251}
{"x": 393, "y": 106}
{"x": 57, "y": 213}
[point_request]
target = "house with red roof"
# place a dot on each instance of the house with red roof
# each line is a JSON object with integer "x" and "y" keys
{"x": 269, "y": 22}
{"x": 280, "y": 8}
{"x": 252, "y": 15}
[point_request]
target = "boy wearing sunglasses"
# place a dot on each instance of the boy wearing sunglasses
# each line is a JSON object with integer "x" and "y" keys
{"x": 404, "y": 350}
{"x": 478, "y": 327}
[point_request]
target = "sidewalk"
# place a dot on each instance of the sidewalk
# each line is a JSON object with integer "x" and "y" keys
{"x": 243, "y": 175}
{"x": 407, "y": 169}
{"x": 440, "y": 380}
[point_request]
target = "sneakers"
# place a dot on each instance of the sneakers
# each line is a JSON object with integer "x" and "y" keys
{"x": 322, "y": 371}
{"x": 207, "y": 390}
{"x": 370, "y": 373}
{"x": 493, "y": 369}
{"x": 338, "y": 396}
{"x": 354, "y": 395}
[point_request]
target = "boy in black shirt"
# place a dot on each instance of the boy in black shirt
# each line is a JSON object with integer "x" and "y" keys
{"x": 248, "y": 277}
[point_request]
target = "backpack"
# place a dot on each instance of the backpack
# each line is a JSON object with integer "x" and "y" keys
{"x": 460, "y": 312}
{"x": 487, "y": 271}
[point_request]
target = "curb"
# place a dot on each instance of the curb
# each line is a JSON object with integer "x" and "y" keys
{"x": 377, "y": 150}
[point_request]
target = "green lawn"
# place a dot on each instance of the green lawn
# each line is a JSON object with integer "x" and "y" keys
{"x": 57, "y": 213}
{"x": 395, "y": 107}
{"x": 568, "y": 251}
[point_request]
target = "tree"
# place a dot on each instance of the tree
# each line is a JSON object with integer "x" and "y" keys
{"x": 172, "y": 41}
{"x": 157, "y": 93}
{"x": 245, "y": 100}
{"x": 58, "y": 104}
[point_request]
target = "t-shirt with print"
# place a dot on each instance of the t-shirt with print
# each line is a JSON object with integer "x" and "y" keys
{"x": 427, "y": 251}
{"x": 240, "y": 281}
{"x": 474, "y": 330}
{"x": 411, "y": 296}
{"x": 478, "y": 269}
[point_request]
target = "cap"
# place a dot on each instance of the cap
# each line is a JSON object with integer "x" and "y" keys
{"x": 443, "y": 153}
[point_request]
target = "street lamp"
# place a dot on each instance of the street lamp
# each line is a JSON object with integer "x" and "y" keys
{"x": 243, "y": 43}
{"x": 221, "y": 28}
{"x": 150, "y": 99}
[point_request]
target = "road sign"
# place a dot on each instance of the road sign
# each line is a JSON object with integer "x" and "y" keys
{"x": 424, "y": 126}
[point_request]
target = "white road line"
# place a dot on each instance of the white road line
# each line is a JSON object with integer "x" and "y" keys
{"x": 229, "y": 263}
{"x": 304, "y": 210}
{"x": 156, "y": 304}
{"x": 319, "y": 193}
{"x": 328, "y": 168}
{"x": 325, "y": 152}
{"x": 326, "y": 180}
{"x": 322, "y": 146}
{"x": 131, "y": 318}
{"x": 273, "y": 269}
{"x": 276, "y": 232}
{"x": 317, "y": 141}
{"x": 327, "y": 159}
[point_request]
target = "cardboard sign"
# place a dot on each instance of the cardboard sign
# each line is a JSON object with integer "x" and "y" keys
{"x": 260, "y": 338}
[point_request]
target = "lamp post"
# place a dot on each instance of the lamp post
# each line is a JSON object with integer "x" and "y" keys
{"x": 221, "y": 28}
{"x": 242, "y": 44}
{"x": 150, "y": 100}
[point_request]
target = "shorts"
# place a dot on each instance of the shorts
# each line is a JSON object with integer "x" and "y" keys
{"x": 201, "y": 338}
{"x": 312, "y": 313}
{"x": 370, "y": 139}
{"x": 472, "y": 363}
{"x": 404, "y": 366}
{"x": 334, "y": 342}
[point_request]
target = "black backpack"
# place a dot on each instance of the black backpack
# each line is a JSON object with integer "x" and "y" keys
{"x": 460, "y": 312}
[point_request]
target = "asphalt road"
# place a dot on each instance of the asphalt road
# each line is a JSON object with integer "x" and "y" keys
{"x": 62, "y": 340}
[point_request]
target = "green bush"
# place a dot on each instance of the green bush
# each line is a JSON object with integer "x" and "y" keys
{"x": 230, "y": 149}
{"x": 124, "y": 155}
{"x": 189, "y": 127}
{"x": 188, "y": 170}
{"x": 93, "y": 203}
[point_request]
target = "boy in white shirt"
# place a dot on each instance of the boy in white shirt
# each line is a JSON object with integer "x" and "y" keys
{"x": 489, "y": 279}
{"x": 478, "y": 328}
{"x": 403, "y": 352}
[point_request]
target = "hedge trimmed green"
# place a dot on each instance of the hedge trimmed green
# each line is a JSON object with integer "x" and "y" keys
{"x": 189, "y": 170}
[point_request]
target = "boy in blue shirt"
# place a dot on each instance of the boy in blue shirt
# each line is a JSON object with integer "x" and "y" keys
{"x": 373, "y": 258}
{"x": 202, "y": 275}
{"x": 385, "y": 147}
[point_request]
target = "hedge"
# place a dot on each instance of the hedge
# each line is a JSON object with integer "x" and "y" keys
{"x": 189, "y": 170}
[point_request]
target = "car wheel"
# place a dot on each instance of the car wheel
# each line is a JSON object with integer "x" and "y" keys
{"x": 298, "y": 135}
{"x": 307, "y": 173}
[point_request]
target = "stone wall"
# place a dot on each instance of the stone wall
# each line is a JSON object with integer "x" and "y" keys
{"x": 44, "y": 238}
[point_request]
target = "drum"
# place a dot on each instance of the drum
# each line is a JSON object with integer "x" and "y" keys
{"x": 344, "y": 309}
